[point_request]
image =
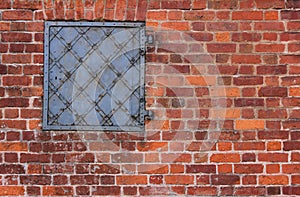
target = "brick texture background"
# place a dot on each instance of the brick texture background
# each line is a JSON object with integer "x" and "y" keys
{"x": 242, "y": 53}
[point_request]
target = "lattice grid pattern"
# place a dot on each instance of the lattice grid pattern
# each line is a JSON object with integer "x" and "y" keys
{"x": 94, "y": 76}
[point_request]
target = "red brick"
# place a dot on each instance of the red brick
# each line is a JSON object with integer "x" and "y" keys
{"x": 222, "y": 26}
{"x": 267, "y": 4}
{"x": 248, "y": 191}
{"x": 245, "y": 26}
{"x": 249, "y": 145}
{"x": 141, "y": 10}
{"x": 290, "y": 15}
{"x": 224, "y": 146}
{"x": 175, "y": 4}
{"x": 295, "y": 135}
{"x": 222, "y": 4}
{"x": 295, "y": 179}
{"x": 5, "y": 4}
{"x": 80, "y": 157}
{"x": 244, "y": 81}
{"x": 202, "y": 191}
{"x": 249, "y": 124}
{"x": 60, "y": 180}
{"x": 241, "y": 37}
{"x": 16, "y": 48}
{"x": 291, "y": 145}
{"x": 19, "y": 58}
{"x": 106, "y": 190}
{"x": 199, "y": 15}
{"x": 248, "y": 157}
{"x": 198, "y": 4}
{"x": 151, "y": 146}
{"x": 153, "y": 169}
{"x": 105, "y": 169}
{"x": 246, "y": 59}
{"x": 291, "y": 190}
{"x": 35, "y": 180}
{"x": 131, "y": 180}
{"x": 249, "y": 180}
{"x": 200, "y": 169}
{"x": 247, "y": 15}
{"x": 38, "y": 37}
{"x": 11, "y": 113}
{"x": 269, "y": 48}
{"x": 17, "y": 15}
{"x": 271, "y": 70}
{"x": 13, "y": 146}
{"x": 156, "y": 179}
{"x": 156, "y": 15}
{"x": 225, "y": 179}
{"x": 272, "y": 168}
{"x": 107, "y": 180}
{"x": 179, "y": 179}
{"x": 269, "y": 26}
{"x": 291, "y": 168}
{"x": 271, "y": 15}
{"x": 84, "y": 180}
{"x": 130, "y": 190}
{"x": 11, "y": 158}
{"x": 290, "y": 59}
{"x": 230, "y": 157}
{"x": 127, "y": 157}
{"x": 267, "y": 135}
{"x": 290, "y": 36}
{"x": 57, "y": 191}
{"x": 98, "y": 9}
{"x": 12, "y": 169}
{"x": 293, "y": 25}
{"x": 248, "y": 168}
{"x": 198, "y": 36}
{"x": 33, "y": 191}
{"x": 294, "y": 47}
{"x": 175, "y": 15}
{"x": 41, "y": 158}
{"x": 16, "y": 80}
{"x": 180, "y": 26}
{"x": 4, "y": 26}
{"x": 273, "y": 180}
{"x": 272, "y": 114}
{"x": 293, "y": 4}
{"x": 221, "y": 48}
{"x": 273, "y": 157}
{"x": 16, "y": 37}
{"x": 272, "y": 92}
{"x": 12, "y": 190}
{"x": 104, "y": 146}
{"x": 27, "y": 4}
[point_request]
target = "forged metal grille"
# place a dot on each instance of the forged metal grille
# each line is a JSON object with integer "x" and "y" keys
{"x": 94, "y": 76}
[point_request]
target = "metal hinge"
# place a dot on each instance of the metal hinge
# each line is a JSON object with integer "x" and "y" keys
{"x": 149, "y": 115}
{"x": 150, "y": 39}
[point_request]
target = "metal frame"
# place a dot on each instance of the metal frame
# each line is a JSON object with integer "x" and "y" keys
{"x": 142, "y": 112}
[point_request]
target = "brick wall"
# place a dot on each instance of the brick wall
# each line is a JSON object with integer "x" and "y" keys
{"x": 222, "y": 78}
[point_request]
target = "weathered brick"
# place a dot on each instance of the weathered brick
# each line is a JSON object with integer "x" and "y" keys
{"x": 248, "y": 168}
{"x": 272, "y": 92}
{"x": 131, "y": 180}
{"x": 225, "y": 179}
{"x": 273, "y": 180}
{"x": 247, "y": 15}
{"x": 57, "y": 191}
{"x": 12, "y": 190}
{"x": 17, "y": 15}
{"x": 267, "y": 4}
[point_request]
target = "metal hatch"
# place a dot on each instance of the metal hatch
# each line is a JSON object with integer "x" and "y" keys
{"x": 94, "y": 76}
